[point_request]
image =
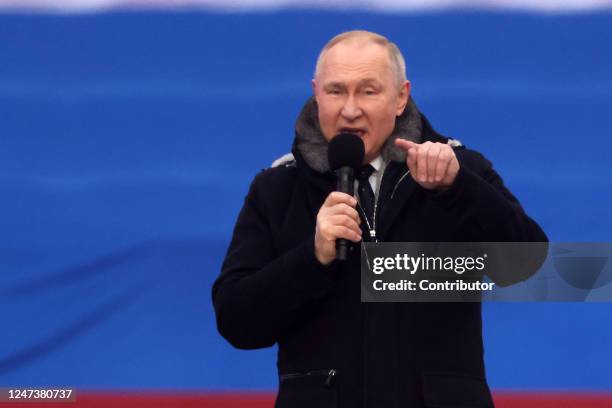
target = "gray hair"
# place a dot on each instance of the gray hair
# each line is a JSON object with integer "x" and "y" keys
{"x": 397, "y": 59}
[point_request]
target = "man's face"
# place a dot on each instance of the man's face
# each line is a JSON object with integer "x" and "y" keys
{"x": 357, "y": 92}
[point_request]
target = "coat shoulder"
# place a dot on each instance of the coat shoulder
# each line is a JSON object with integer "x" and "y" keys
{"x": 473, "y": 159}
{"x": 276, "y": 179}
{"x": 278, "y": 173}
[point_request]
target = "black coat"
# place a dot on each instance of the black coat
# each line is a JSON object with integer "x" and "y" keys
{"x": 333, "y": 350}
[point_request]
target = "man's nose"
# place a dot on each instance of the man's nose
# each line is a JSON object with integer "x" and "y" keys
{"x": 351, "y": 109}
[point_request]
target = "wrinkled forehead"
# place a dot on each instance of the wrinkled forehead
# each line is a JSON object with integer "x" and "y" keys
{"x": 356, "y": 57}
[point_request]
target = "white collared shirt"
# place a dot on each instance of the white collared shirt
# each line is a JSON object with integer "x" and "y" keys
{"x": 379, "y": 168}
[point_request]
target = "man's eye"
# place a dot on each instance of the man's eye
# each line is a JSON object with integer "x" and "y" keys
{"x": 334, "y": 92}
{"x": 370, "y": 92}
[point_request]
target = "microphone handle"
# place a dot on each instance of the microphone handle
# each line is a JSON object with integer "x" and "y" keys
{"x": 345, "y": 183}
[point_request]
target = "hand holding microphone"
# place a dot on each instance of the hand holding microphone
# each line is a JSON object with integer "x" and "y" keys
{"x": 338, "y": 221}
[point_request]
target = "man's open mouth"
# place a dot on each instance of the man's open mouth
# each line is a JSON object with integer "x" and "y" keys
{"x": 355, "y": 131}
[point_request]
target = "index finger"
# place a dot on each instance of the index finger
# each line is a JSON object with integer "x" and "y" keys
{"x": 336, "y": 197}
{"x": 406, "y": 144}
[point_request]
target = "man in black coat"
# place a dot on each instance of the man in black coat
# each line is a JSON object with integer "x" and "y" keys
{"x": 280, "y": 282}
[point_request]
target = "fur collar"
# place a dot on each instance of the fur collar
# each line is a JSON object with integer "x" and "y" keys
{"x": 312, "y": 147}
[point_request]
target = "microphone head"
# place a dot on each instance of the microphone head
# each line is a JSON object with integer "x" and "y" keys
{"x": 345, "y": 149}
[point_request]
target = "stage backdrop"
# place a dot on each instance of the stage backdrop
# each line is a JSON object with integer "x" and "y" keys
{"x": 129, "y": 133}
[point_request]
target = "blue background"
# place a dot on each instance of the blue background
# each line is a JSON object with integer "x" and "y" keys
{"x": 128, "y": 141}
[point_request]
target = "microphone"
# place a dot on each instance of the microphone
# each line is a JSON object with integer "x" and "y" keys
{"x": 345, "y": 154}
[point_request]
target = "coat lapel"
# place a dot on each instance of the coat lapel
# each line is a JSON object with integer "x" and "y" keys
{"x": 395, "y": 192}
{"x": 318, "y": 187}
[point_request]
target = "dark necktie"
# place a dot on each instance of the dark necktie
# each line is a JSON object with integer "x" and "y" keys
{"x": 366, "y": 195}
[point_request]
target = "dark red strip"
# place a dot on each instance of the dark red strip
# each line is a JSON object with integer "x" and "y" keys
{"x": 266, "y": 400}
{"x": 551, "y": 400}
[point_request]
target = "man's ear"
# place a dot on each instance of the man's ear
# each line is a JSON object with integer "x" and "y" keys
{"x": 404, "y": 95}
{"x": 313, "y": 83}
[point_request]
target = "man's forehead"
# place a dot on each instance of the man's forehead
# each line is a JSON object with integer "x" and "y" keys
{"x": 357, "y": 56}
{"x": 334, "y": 82}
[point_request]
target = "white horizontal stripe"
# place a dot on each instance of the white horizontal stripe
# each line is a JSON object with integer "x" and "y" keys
{"x": 263, "y": 5}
